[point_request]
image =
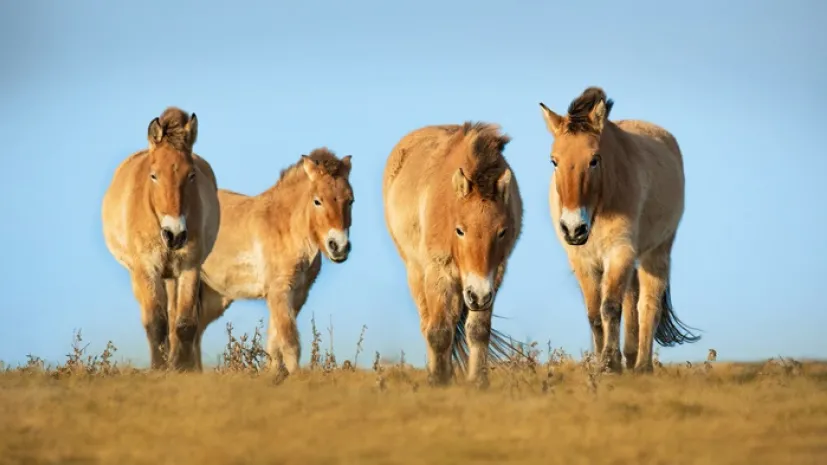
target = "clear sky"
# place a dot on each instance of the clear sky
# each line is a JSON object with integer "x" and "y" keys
{"x": 740, "y": 83}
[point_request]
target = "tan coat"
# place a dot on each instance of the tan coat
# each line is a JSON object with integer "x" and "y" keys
{"x": 453, "y": 209}
{"x": 617, "y": 197}
{"x": 270, "y": 246}
{"x": 160, "y": 220}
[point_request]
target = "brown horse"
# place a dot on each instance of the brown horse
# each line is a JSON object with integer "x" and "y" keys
{"x": 269, "y": 246}
{"x": 617, "y": 197}
{"x": 160, "y": 220}
{"x": 453, "y": 209}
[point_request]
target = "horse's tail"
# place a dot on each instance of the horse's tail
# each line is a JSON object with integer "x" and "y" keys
{"x": 501, "y": 347}
{"x": 671, "y": 330}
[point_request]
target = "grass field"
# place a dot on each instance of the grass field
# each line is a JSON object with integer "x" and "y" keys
{"x": 546, "y": 409}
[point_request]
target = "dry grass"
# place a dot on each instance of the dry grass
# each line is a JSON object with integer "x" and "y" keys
{"x": 554, "y": 410}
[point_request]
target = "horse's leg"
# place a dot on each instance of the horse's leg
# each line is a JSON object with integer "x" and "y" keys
{"x": 213, "y": 306}
{"x": 654, "y": 277}
{"x": 443, "y": 306}
{"x": 478, "y": 335}
{"x": 282, "y": 332}
{"x": 151, "y": 296}
{"x": 630, "y": 322}
{"x": 589, "y": 280}
{"x": 171, "y": 286}
{"x": 182, "y": 338}
{"x": 620, "y": 264}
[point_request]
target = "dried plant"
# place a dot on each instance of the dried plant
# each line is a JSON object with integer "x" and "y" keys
{"x": 244, "y": 354}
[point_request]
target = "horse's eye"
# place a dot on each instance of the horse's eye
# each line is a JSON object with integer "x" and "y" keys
{"x": 317, "y": 202}
{"x": 595, "y": 161}
{"x": 350, "y": 202}
{"x": 460, "y": 232}
{"x": 501, "y": 234}
{"x": 153, "y": 177}
{"x": 191, "y": 177}
{"x": 554, "y": 162}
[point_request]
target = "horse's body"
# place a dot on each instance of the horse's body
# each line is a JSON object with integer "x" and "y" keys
{"x": 453, "y": 209}
{"x": 616, "y": 197}
{"x": 160, "y": 220}
{"x": 269, "y": 246}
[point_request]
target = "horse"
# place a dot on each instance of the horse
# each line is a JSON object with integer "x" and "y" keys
{"x": 453, "y": 209}
{"x": 270, "y": 245}
{"x": 160, "y": 218}
{"x": 616, "y": 199}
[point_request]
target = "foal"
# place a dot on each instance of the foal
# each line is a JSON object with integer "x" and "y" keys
{"x": 617, "y": 197}
{"x": 269, "y": 246}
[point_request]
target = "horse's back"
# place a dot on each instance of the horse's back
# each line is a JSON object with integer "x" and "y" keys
{"x": 660, "y": 163}
{"x": 653, "y": 139}
{"x": 406, "y": 181}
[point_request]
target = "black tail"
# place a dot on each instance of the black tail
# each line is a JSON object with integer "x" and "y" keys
{"x": 671, "y": 330}
{"x": 501, "y": 347}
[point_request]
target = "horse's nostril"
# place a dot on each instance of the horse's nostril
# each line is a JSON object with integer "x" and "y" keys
{"x": 564, "y": 229}
{"x": 333, "y": 246}
{"x": 580, "y": 230}
{"x": 168, "y": 237}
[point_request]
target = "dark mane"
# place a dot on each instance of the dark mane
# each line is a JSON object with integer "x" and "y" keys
{"x": 485, "y": 163}
{"x": 328, "y": 162}
{"x": 173, "y": 123}
{"x": 580, "y": 107}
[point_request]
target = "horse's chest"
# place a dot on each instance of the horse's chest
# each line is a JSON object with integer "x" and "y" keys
{"x": 591, "y": 254}
{"x": 303, "y": 278}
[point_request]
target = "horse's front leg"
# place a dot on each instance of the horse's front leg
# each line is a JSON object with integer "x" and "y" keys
{"x": 185, "y": 322}
{"x": 152, "y": 297}
{"x": 618, "y": 271}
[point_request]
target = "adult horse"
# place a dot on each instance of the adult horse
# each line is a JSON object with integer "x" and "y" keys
{"x": 160, "y": 220}
{"x": 270, "y": 245}
{"x": 453, "y": 209}
{"x": 617, "y": 197}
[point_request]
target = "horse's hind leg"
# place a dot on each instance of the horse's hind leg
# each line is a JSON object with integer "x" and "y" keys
{"x": 630, "y": 322}
{"x": 213, "y": 306}
{"x": 654, "y": 277}
{"x": 152, "y": 297}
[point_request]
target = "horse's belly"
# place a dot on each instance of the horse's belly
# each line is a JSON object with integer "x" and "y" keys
{"x": 241, "y": 277}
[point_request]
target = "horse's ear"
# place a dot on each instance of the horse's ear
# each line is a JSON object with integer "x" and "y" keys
{"x": 554, "y": 122}
{"x": 346, "y": 165}
{"x": 192, "y": 129}
{"x": 598, "y": 115}
{"x": 154, "y": 133}
{"x": 504, "y": 184}
{"x": 462, "y": 186}
{"x": 311, "y": 167}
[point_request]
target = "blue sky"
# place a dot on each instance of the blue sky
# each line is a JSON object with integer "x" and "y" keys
{"x": 739, "y": 83}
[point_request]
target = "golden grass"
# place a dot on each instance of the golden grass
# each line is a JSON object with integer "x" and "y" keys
{"x": 553, "y": 412}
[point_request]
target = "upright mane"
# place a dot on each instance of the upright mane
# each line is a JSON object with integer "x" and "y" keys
{"x": 327, "y": 160}
{"x": 174, "y": 125}
{"x": 484, "y": 161}
{"x": 579, "y": 109}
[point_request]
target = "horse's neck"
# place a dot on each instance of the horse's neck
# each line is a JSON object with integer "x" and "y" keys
{"x": 618, "y": 167}
{"x": 290, "y": 203}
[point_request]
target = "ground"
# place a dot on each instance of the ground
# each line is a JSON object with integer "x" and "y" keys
{"x": 88, "y": 411}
